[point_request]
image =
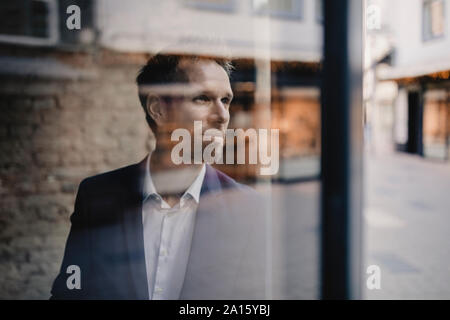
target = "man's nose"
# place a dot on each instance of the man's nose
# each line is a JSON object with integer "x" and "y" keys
{"x": 220, "y": 113}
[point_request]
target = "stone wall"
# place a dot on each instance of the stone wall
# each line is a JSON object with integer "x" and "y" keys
{"x": 57, "y": 128}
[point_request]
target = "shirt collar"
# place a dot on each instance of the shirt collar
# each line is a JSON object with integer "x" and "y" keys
{"x": 193, "y": 190}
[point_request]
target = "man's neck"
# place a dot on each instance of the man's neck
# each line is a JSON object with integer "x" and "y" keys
{"x": 171, "y": 180}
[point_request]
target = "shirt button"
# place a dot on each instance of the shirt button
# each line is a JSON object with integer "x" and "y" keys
{"x": 163, "y": 252}
{"x": 158, "y": 289}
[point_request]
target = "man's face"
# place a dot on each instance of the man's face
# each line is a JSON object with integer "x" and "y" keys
{"x": 207, "y": 97}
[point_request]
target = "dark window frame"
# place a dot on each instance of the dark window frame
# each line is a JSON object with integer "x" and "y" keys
{"x": 341, "y": 256}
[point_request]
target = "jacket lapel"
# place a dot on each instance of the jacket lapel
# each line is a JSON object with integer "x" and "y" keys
{"x": 208, "y": 270}
{"x": 211, "y": 182}
{"x": 133, "y": 229}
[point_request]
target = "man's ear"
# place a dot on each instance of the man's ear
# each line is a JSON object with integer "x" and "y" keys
{"x": 155, "y": 109}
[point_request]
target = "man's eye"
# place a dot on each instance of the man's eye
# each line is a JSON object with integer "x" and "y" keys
{"x": 201, "y": 98}
{"x": 226, "y": 100}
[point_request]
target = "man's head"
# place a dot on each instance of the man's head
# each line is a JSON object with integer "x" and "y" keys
{"x": 176, "y": 90}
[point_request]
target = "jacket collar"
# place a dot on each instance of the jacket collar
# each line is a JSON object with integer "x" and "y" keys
{"x": 193, "y": 190}
{"x": 132, "y": 220}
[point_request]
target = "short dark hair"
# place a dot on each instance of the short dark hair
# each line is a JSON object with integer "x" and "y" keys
{"x": 163, "y": 69}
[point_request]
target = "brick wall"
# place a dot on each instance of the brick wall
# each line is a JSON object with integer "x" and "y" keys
{"x": 55, "y": 131}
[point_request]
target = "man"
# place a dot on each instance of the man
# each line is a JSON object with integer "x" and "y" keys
{"x": 157, "y": 230}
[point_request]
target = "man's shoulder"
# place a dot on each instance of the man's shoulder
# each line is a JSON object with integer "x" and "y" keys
{"x": 129, "y": 175}
{"x": 111, "y": 180}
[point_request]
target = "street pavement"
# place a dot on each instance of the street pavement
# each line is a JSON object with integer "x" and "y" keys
{"x": 407, "y": 229}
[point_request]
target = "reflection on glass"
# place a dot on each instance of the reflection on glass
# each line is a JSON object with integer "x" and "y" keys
{"x": 161, "y": 157}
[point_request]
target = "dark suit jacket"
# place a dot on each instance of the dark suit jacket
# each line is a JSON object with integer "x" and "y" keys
{"x": 227, "y": 257}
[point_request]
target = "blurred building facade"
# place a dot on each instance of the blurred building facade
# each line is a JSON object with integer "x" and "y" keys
{"x": 410, "y": 101}
{"x": 69, "y": 106}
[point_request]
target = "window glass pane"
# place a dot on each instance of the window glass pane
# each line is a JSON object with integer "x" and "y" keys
{"x": 24, "y": 18}
{"x": 171, "y": 153}
{"x": 211, "y": 4}
{"x": 407, "y": 150}
{"x": 284, "y": 8}
{"x": 433, "y": 19}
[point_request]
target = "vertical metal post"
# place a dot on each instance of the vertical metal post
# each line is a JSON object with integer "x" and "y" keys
{"x": 342, "y": 146}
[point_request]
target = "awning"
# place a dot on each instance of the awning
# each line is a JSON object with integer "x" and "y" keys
{"x": 439, "y": 68}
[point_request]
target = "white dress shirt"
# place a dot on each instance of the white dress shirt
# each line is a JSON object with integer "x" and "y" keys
{"x": 167, "y": 237}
